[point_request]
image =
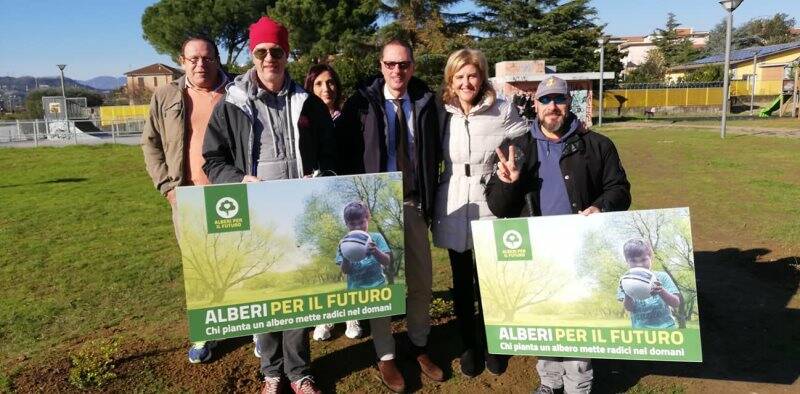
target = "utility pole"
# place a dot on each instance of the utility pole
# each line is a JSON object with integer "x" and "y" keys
{"x": 64, "y": 96}
{"x": 602, "y": 42}
{"x": 730, "y": 6}
{"x": 753, "y": 87}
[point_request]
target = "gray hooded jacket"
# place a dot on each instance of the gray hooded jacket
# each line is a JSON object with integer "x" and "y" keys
{"x": 284, "y": 135}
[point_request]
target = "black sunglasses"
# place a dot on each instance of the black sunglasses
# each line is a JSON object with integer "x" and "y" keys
{"x": 558, "y": 99}
{"x": 403, "y": 65}
{"x": 274, "y": 52}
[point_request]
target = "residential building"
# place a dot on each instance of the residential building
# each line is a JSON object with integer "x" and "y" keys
{"x": 151, "y": 77}
{"x": 770, "y": 65}
{"x": 636, "y": 48}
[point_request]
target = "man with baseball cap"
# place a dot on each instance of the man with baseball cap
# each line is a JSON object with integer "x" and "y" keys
{"x": 267, "y": 127}
{"x": 559, "y": 168}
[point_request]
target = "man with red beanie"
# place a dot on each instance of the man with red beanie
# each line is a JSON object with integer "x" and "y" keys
{"x": 267, "y": 127}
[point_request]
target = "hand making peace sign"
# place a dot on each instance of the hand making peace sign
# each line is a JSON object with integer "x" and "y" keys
{"x": 507, "y": 169}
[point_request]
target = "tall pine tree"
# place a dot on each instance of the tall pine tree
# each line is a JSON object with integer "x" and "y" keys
{"x": 433, "y": 33}
{"x": 564, "y": 35}
{"x": 321, "y": 28}
{"x": 675, "y": 49}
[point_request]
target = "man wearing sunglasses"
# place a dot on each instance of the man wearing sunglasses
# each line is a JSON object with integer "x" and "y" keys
{"x": 172, "y": 140}
{"x": 266, "y": 128}
{"x": 559, "y": 168}
{"x": 391, "y": 123}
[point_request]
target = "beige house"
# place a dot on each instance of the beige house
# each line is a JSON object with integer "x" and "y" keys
{"x": 636, "y": 48}
{"x": 151, "y": 77}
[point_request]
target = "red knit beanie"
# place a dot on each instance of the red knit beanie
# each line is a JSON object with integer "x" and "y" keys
{"x": 270, "y": 31}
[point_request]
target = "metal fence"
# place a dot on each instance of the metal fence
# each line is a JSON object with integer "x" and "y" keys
{"x": 59, "y": 132}
{"x": 683, "y": 95}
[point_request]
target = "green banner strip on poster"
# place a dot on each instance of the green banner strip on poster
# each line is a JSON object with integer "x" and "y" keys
{"x": 239, "y": 320}
{"x": 609, "y": 343}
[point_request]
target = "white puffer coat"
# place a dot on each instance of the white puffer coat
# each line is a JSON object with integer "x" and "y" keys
{"x": 468, "y": 144}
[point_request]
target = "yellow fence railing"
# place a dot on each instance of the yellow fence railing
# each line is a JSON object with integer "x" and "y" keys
{"x": 684, "y": 97}
{"x": 646, "y": 98}
{"x": 763, "y": 88}
{"x": 121, "y": 113}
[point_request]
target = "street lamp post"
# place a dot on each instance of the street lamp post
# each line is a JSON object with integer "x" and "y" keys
{"x": 64, "y": 96}
{"x": 730, "y": 6}
{"x": 602, "y": 42}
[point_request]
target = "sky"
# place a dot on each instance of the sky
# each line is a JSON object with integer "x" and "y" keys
{"x": 101, "y": 37}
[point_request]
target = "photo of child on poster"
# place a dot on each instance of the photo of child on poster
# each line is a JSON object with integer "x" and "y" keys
{"x": 611, "y": 285}
{"x": 364, "y": 257}
{"x": 649, "y": 296}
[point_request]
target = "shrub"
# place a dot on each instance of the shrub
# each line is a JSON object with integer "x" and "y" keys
{"x": 92, "y": 365}
{"x": 441, "y": 308}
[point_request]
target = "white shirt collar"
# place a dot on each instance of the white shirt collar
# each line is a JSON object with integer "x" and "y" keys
{"x": 388, "y": 95}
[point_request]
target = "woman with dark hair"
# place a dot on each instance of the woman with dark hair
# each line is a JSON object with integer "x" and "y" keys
{"x": 323, "y": 82}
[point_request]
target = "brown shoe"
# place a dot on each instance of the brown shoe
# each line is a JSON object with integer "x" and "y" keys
{"x": 430, "y": 369}
{"x": 391, "y": 376}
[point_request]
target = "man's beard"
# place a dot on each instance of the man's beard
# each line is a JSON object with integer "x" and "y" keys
{"x": 552, "y": 126}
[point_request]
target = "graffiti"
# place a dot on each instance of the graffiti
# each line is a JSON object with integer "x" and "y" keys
{"x": 580, "y": 102}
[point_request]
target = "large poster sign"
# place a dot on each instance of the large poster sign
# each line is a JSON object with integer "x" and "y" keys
{"x": 269, "y": 256}
{"x": 617, "y": 285}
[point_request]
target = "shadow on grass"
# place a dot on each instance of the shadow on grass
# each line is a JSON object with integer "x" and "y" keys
{"x": 748, "y": 332}
{"x": 443, "y": 347}
{"x": 51, "y": 181}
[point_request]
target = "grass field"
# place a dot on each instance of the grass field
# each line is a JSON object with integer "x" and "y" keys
{"x": 87, "y": 251}
{"x": 773, "y": 122}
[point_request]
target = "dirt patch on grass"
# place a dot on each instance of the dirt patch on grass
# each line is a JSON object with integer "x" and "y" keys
{"x": 750, "y": 340}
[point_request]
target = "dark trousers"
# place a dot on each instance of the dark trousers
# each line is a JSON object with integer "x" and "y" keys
{"x": 286, "y": 351}
{"x": 465, "y": 293}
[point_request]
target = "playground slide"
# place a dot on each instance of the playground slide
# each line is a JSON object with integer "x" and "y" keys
{"x": 773, "y": 106}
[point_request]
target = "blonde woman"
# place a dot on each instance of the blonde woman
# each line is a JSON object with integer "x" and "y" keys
{"x": 476, "y": 122}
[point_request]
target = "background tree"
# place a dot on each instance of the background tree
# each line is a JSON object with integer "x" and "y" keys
{"x": 320, "y": 29}
{"x": 433, "y": 33}
{"x": 705, "y": 74}
{"x": 675, "y": 49}
{"x": 167, "y": 23}
{"x": 755, "y": 32}
{"x": 653, "y": 69}
{"x": 564, "y": 35}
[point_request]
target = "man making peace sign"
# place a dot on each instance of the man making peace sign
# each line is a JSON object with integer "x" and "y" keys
{"x": 559, "y": 168}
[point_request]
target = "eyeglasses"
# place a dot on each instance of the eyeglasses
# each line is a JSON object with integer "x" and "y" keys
{"x": 274, "y": 52}
{"x": 205, "y": 60}
{"x": 403, "y": 65}
{"x": 558, "y": 99}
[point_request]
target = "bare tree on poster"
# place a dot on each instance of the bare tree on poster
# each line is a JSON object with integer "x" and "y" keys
{"x": 508, "y": 287}
{"x": 219, "y": 262}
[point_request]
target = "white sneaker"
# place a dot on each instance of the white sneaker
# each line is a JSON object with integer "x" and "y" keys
{"x": 322, "y": 332}
{"x": 255, "y": 347}
{"x": 353, "y": 330}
